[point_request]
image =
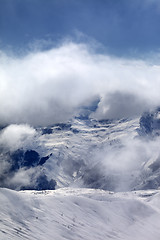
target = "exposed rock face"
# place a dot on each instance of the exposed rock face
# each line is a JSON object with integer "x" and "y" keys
{"x": 30, "y": 161}
{"x": 150, "y": 123}
{"x": 41, "y": 183}
{"x": 29, "y": 158}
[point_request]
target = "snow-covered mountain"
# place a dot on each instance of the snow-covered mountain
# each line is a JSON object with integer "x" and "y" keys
{"x": 96, "y": 179}
{"x": 114, "y": 155}
{"x": 78, "y": 153}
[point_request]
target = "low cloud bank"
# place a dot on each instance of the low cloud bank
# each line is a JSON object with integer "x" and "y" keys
{"x": 46, "y": 87}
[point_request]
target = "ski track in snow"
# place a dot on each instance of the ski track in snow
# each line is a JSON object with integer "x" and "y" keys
{"x": 76, "y": 214}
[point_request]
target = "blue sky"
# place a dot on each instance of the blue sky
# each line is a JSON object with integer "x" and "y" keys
{"x": 123, "y": 27}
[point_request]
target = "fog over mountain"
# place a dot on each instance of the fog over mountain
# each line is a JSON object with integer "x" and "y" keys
{"x": 59, "y": 90}
{"x": 46, "y": 87}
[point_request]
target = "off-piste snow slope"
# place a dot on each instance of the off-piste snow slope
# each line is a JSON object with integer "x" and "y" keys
{"x": 77, "y": 214}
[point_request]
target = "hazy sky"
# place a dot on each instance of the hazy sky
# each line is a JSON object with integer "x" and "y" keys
{"x": 123, "y": 27}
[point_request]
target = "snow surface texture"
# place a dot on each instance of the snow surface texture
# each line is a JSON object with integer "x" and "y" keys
{"x": 76, "y": 214}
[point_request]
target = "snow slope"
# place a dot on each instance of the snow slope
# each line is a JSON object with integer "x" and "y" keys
{"x": 76, "y": 214}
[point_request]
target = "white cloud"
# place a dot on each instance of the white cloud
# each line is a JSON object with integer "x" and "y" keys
{"x": 46, "y": 87}
{"x": 17, "y": 136}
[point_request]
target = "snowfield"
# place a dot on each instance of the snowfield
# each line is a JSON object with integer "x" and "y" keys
{"x": 76, "y": 214}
